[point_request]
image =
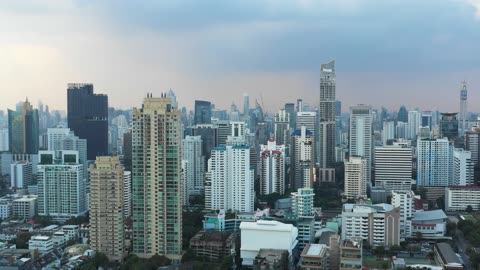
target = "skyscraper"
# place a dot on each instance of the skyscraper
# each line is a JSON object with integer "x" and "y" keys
{"x": 282, "y": 126}
{"x": 106, "y": 207}
{"x": 290, "y": 109}
{"x": 463, "y": 107}
{"x": 414, "y": 119}
{"x": 88, "y": 117}
{"x": 326, "y": 155}
{"x": 393, "y": 167}
{"x": 462, "y": 167}
{"x": 361, "y": 134}
{"x": 402, "y": 115}
{"x": 157, "y": 187}
{"x": 449, "y": 126}
{"x": 388, "y": 132}
{"x": 272, "y": 168}
{"x": 203, "y": 112}
{"x": 246, "y": 104}
{"x": 192, "y": 153}
{"x": 301, "y": 156}
{"x": 23, "y": 130}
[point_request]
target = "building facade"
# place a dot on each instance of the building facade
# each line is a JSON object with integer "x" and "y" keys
{"x": 23, "y": 129}
{"x": 459, "y": 198}
{"x": 393, "y": 167}
{"x": 361, "y": 134}
{"x": 106, "y": 207}
{"x": 193, "y": 154}
{"x": 272, "y": 168}
{"x": 156, "y": 178}
{"x": 434, "y": 162}
{"x": 302, "y": 159}
{"x": 355, "y": 177}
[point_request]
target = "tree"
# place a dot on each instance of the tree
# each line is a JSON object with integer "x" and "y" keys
{"x": 188, "y": 256}
{"x": 385, "y": 265}
{"x": 451, "y": 228}
{"x": 157, "y": 261}
{"x": 379, "y": 251}
{"x": 469, "y": 209}
{"x": 70, "y": 242}
{"x": 418, "y": 235}
{"x": 22, "y": 240}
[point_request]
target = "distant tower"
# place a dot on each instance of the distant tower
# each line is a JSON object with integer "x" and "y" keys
{"x": 246, "y": 104}
{"x": 463, "y": 107}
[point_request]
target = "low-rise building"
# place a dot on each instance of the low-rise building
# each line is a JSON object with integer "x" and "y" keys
{"x": 213, "y": 245}
{"x": 43, "y": 243}
{"x": 314, "y": 257}
{"x": 5, "y": 209}
{"x": 265, "y": 234}
{"x": 271, "y": 259}
{"x": 458, "y": 198}
{"x": 378, "y": 224}
{"x": 446, "y": 257}
{"x": 351, "y": 254}
{"x": 431, "y": 224}
{"x": 25, "y": 207}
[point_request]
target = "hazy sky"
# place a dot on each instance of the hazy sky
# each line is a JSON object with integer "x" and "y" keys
{"x": 388, "y": 52}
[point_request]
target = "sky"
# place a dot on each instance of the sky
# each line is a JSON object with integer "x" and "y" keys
{"x": 387, "y": 53}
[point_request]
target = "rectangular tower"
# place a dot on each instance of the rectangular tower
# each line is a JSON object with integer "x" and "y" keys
{"x": 326, "y": 155}
{"x": 156, "y": 179}
{"x": 361, "y": 134}
{"x": 106, "y": 207}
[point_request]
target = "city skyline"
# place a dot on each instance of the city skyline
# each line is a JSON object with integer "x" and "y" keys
{"x": 270, "y": 48}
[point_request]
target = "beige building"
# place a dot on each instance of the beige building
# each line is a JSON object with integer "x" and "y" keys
{"x": 156, "y": 179}
{"x": 356, "y": 177}
{"x": 106, "y": 207}
{"x": 314, "y": 257}
{"x": 351, "y": 254}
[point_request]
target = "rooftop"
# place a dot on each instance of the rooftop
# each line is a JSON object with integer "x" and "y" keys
{"x": 315, "y": 250}
{"x": 447, "y": 254}
{"x": 429, "y": 215}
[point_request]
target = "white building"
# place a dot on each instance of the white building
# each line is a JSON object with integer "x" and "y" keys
{"x": 378, "y": 224}
{"x": 302, "y": 202}
{"x": 462, "y": 167}
{"x": 44, "y": 244}
{"x": 301, "y": 158}
{"x": 192, "y": 152}
{"x": 306, "y": 119}
{"x": 458, "y": 198}
{"x": 25, "y": 207}
{"x": 184, "y": 179}
{"x": 355, "y": 177}
{"x": 230, "y": 179}
{"x": 21, "y": 174}
{"x": 414, "y": 122}
{"x": 61, "y": 185}
{"x": 361, "y": 134}
{"x": 430, "y": 224}
{"x": 282, "y": 127}
{"x": 393, "y": 167}
{"x": 127, "y": 193}
{"x": 265, "y": 234}
{"x": 388, "y": 132}
{"x": 434, "y": 162}
{"x": 401, "y": 130}
{"x": 5, "y": 209}
{"x": 4, "y": 140}
{"x": 405, "y": 200}
{"x": 272, "y": 168}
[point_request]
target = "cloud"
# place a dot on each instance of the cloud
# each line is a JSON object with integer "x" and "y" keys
{"x": 476, "y": 5}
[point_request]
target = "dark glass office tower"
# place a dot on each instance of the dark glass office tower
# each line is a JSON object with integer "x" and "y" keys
{"x": 23, "y": 129}
{"x": 203, "y": 112}
{"x": 88, "y": 117}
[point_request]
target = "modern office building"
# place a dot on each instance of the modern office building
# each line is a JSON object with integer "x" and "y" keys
{"x": 192, "y": 153}
{"x": 302, "y": 159}
{"x": 458, "y": 198}
{"x": 393, "y": 167}
{"x": 434, "y": 162}
{"x": 327, "y": 122}
{"x": 356, "y": 178}
{"x": 290, "y": 109}
{"x": 463, "y": 108}
{"x": 388, "y": 131}
{"x": 472, "y": 139}
{"x": 209, "y": 136}
{"x": 378, "y": 224}
{"x": 272, "y": 168}
{"x": 61, "y": 186}
{"x": 282, "y": 127}
{"x": 307, "y": 119}
{"x": 156, "y": 178}
{"x": 21, "y": 174}
{"x": 106, "y": 207}
{"x": 88, "y": 117}
{"x": 361, "y": 134}
{"x": 23, "y": 130}
{"x": 203, "y": 112}
{"x": 4, "y": 145}
{"x": 413, "y": 124}
{"x": 449, "y": 126}
{"x": 462, "y": 167}
{"x": 401, "y": 130}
